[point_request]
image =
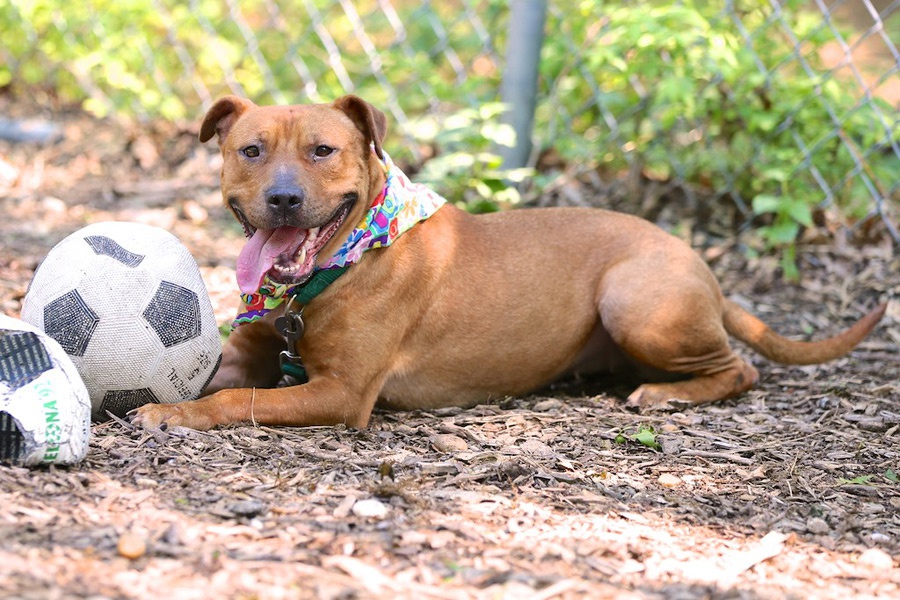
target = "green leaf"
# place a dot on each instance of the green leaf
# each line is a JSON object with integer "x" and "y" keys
{"x": 510, "y": 195}
{"x": 499, "y": 133}
{"x": 766, "y": 203}
{"x": 799, "y": 211}
{"x": 891, "y": 476}
{"x": 647, "y": 437}
{"x": 764, "y": 121}
{"x": 789, "y": 263}
{"x": 491, "y": 110}
{"x": 780, "y": 174}
{"x": 487, "y": 161}
{"x": 780, "y": 232}
{"x": 861, "y": 480}
{"x": 483, "y": 189}
{"x": 493, "y": 184}
{"x": 461, "y": 120}
{"x": 519, "y": 175}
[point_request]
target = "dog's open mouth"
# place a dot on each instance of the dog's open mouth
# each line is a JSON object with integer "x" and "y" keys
{"x": 283, "y": 255}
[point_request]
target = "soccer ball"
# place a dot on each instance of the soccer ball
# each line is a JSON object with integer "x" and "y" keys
{"x": 127, "y": 304}
{"x": 45, "y": 411}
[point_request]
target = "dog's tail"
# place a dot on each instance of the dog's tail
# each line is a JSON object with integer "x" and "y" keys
{"x": 750, "y": 330}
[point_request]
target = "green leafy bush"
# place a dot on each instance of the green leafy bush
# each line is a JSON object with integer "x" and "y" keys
{"x": 166, "y": 57}
{"x": 731, "y": 99}
{"x": 681, "y": 92}
{"x": 466, "y": 169}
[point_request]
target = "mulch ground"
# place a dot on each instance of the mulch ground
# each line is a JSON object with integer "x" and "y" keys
{"x": 789, "y": 491}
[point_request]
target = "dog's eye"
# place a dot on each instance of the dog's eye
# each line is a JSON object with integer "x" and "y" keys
{"x": 322, "y": 151}
{"x": 250, "y": 151}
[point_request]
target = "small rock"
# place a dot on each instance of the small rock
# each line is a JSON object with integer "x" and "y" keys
{"x": 371, "y": 508}
{"x": 536, "y": 447}
{"x": 513, "y": 469}
{"x": 876, "y": 559}
{"x": 131, "y": 546}
{"x": 669, "y": 428}
{"x": 684, "y": 420}
{"x": 872, "y": 508}
{"x": 247, "y": 508}
{"x": 447, "y": 442}
{"x": 668, "y": 480}
{"x": 439, "y": 468}
{"x": 670, "y": 444}
{"x": 818, "y": 526}
{"x": 548, "y": 405}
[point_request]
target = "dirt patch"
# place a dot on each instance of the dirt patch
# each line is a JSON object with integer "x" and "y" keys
{"x": 790, "y": 491}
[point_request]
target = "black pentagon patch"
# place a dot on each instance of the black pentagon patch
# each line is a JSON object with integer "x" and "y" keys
{"x": 174, "y": 313}
{"x": 22, "y": 358}
{"x": 71, "y": 322}
{"x": 119, "y": 402}
{"x": 12, "y": 442}
{"x": 105, "y": 246}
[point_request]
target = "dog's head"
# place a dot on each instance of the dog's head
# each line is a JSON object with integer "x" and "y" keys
{"x": 298, "y": 178}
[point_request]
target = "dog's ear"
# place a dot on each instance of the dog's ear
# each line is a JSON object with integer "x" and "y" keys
{"x": 222, "y": 116}
{"x": 367, "y": 119}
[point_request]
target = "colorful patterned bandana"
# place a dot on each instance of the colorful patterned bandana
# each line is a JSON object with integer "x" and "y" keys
{"x": 397, "y": 209}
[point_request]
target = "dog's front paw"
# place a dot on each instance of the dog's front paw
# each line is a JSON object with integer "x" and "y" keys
{"x": 162, "y": 416}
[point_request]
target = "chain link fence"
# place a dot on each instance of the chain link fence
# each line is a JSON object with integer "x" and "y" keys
{"x": 783, "y": 108}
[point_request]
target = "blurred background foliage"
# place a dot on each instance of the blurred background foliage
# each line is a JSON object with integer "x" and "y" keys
{"x": 740, "y": 102}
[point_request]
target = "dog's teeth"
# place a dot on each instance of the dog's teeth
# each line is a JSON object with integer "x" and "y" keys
{"x": 301, "y": 258}
{"x": 286, "y": 270}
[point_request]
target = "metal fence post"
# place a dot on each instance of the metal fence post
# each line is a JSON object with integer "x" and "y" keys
{"x": 525, "y": 37}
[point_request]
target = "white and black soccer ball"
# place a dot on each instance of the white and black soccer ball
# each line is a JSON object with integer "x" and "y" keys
{"x": 127, "y": 303}
{"x": 45, "y": 411}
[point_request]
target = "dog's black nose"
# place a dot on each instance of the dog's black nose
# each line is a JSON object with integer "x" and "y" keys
{"x": 284, "y": 200}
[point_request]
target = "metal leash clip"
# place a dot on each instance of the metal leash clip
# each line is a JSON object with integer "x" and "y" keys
{"x": 291, "y": 326}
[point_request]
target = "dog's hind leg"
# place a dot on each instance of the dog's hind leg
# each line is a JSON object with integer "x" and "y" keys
{"x": 733, "y": 380}
{"x": 675, "y": 327}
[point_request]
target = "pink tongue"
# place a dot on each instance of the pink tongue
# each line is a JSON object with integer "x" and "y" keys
{"x": 260, "y": 253}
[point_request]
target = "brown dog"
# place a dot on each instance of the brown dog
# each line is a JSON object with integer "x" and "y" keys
{"x": 460, "y": 309}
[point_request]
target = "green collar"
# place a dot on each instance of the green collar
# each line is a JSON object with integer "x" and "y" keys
{"x": 315, "y": 285}
{"x": 291, "y": 363}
